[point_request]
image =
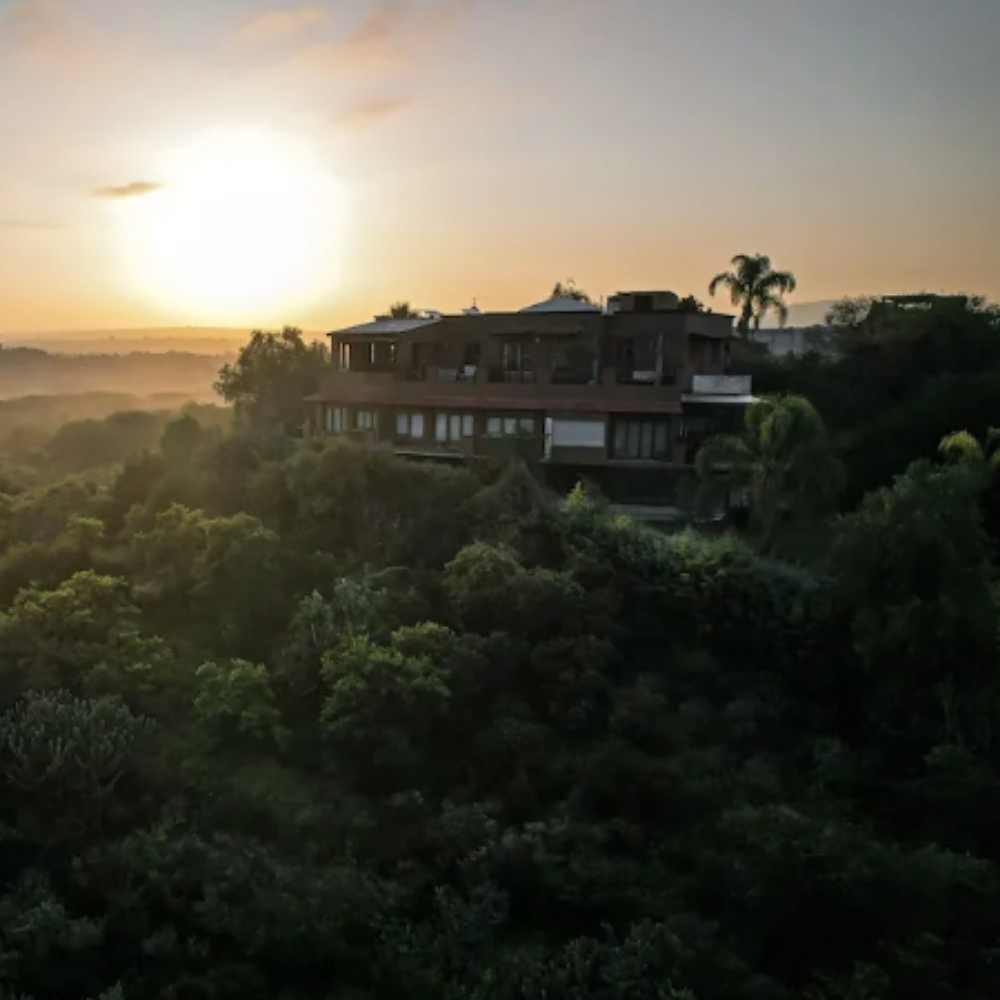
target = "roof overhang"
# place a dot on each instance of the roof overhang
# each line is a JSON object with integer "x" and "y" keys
{"x": 718, "y": 399}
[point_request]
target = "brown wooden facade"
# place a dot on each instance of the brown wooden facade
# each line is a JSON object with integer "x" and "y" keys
{"x": 578, "y": 389}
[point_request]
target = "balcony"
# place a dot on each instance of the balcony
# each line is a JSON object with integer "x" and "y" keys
{"x": 721, "y": 385}
{"x": 720, "y": 390}
{"x": 442, "y": 373}
{"x": 513, "y": 376}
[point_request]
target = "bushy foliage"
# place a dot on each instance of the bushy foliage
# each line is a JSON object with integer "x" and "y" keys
{"x": 271, "y": 378}
{"x": 425, "y": 732}
{"x": 900, "y": 381}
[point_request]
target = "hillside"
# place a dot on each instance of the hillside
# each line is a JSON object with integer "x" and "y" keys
{"x": 29, "y": 371}
{"x": 213, "y": 340}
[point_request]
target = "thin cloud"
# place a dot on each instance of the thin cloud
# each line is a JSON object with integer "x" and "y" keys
{"x": 387, "y": 36}
{"x": 271, "y": 25}
{"x": 135, "y": 189}
{"x": 371, "y": 112}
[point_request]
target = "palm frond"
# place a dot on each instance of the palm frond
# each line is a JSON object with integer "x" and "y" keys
{"x": 777, "y": 281}
{"x": 764, "y": 301}
{"x": 726, "y": 278}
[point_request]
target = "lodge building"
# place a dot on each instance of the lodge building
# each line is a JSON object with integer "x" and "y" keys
{"x": 623, "y": 395}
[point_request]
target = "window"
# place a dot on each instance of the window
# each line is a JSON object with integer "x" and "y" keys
{"x": 336, "y": 419}
{"x": 364, "y": 420}
{"x": 453, "y": 426}
{"x": 509, "y": 426}
{"x": 410, "y": 425}
{"x": 381, "y": 355}
{"x": 573, "y": 432}
{"x": 517, "y": 361}
{"x": 344, "y": 356}
{"x": 644, "y": 438}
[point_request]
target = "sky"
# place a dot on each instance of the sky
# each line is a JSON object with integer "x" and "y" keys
{"x": 256, "y": 163}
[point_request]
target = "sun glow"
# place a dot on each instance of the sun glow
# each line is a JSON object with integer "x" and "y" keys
{"x": 246, "y": 227}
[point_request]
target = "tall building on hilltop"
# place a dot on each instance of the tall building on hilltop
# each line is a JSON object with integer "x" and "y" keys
{"x": 622, "y": 396}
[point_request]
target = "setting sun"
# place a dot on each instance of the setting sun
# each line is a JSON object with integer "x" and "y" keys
{"x": 246, "y": 222}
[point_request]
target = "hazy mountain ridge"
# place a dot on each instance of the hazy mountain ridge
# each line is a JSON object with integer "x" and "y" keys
{"x": 152, "y": 340}
{"x": 31, "y": 371}
{"x": 801, "y": 314}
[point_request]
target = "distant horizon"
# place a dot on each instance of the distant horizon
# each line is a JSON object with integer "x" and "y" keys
{"x": 802, "y": 313}
{"x": 261, "y": 162}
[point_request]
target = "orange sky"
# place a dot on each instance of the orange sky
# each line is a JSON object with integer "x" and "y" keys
{"x": 257, "y": 163}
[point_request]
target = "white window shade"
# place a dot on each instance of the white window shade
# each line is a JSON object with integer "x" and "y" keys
{"x": 577, "y": 433}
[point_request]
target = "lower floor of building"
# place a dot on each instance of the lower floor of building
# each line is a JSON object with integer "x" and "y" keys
{"x": 608, "y": 447}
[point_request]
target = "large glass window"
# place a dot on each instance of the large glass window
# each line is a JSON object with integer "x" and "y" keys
{"x": 453, "y": 426}
{"x": 410, "y": 425}
{"x": 641, "y": 437}
{"x": 517, "y": 361}
{"x": 510, "y": 426}
{"x": 336, "y": 419}
{"x": 364, "y": 420}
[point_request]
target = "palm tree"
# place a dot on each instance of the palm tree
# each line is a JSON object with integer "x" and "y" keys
{"x": 401, "y": 310}
{"x": 784, "y": 462}
{"x": 755, "y": 288}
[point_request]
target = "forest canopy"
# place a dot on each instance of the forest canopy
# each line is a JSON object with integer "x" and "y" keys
{"x": 293, "y": 718}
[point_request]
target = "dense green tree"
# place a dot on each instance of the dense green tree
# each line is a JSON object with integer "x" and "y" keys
{"x": 234, "y": 699}
{"x": 62, "y": 757}
{"x": 913, "y": 573}
{"x": 784, "y": 463}
{"x": 435, "y": 732}
{"x": 83, "y": 444}
{"x": 181, "y": 439}
{"x": 269, "y": 381}
{"x": 220, "y": 572}
{"x": 84, "y": 635}
{"x": 382, "y": 707}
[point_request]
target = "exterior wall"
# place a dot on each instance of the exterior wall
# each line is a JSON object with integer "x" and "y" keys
{"x": 380, "y": 389}
{"x": 511, "y": 438}
{"x": 575, "y": 377}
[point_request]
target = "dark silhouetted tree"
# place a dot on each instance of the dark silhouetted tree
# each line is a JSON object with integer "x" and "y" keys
{"x": 568, "y": 290}
{"x": 268, "y": 382}
{"x": 756, "y": 288}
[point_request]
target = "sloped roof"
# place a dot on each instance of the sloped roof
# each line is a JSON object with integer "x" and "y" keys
{"x": 389, "y": 325}
{"x": 561, "y": 303}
